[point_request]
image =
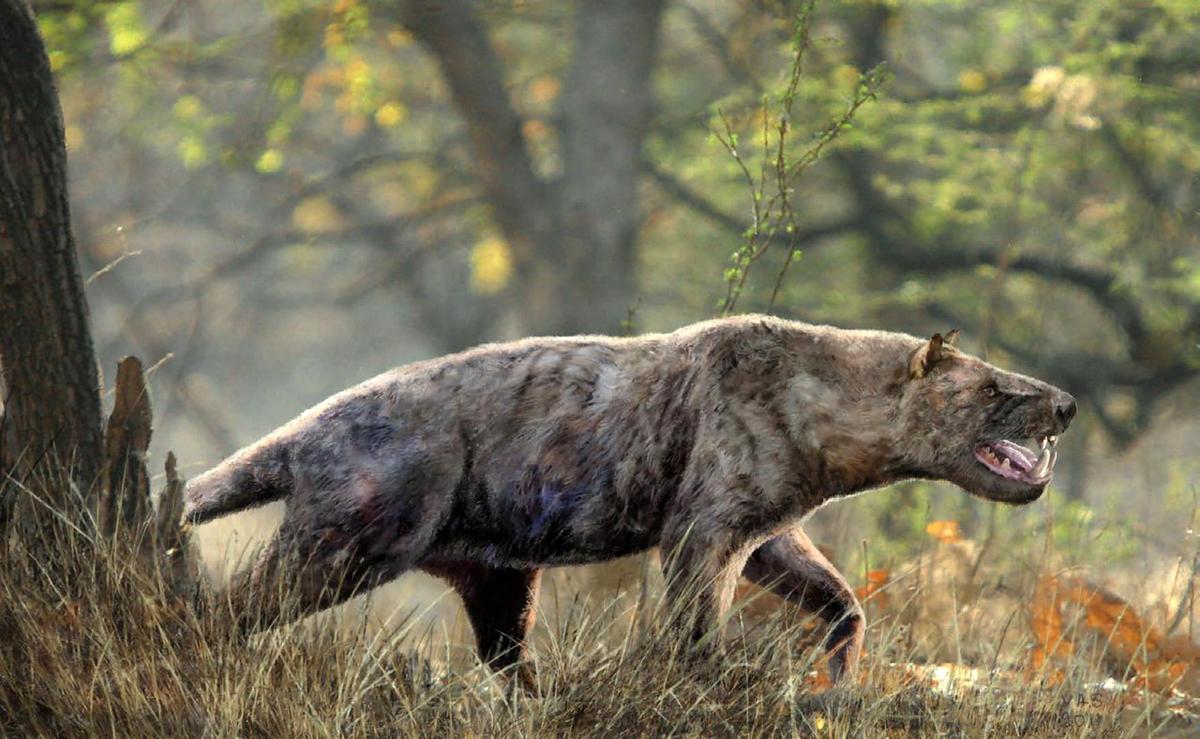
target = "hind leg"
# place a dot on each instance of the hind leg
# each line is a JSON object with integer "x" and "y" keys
{"x": 501, "y": 603}
{"x": 339, "y": 542}
{"x": 295, "y": 576}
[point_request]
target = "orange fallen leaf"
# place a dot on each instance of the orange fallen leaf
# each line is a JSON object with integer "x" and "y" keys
{"x": 944, "y": 531}
{"x": 818, "y": 681}
{"x": 1159, "y": 675}
{"x": 1113, "y": 618}
{"x": 1158, "y": 663}
{"x": 873, "y": 589}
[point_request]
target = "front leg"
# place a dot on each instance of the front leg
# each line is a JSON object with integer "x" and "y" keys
{"x": 794, "y": 569}
{"x": 702, "y": 565}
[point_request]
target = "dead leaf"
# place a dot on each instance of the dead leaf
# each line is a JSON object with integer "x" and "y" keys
{"x": 873, "y": 590}
{"x": 944, "y": 531}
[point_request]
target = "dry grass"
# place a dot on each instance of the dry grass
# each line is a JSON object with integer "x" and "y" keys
{"x": 93, "y": 642}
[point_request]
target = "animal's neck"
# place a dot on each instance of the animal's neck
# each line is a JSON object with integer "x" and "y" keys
{"x": 860, "y": 454}
{"x": 857, "y": 430}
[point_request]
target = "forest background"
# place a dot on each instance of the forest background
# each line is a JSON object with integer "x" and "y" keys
{"x": 272, "y": 201}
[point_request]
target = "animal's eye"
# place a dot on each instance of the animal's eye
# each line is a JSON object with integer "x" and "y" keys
{"x": 990, "y": 390}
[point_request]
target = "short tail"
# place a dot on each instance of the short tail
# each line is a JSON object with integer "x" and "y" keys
{"x": 250, "y": 478}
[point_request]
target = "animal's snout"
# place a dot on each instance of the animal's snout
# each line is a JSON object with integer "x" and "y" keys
{"x": 1064, "y": 410}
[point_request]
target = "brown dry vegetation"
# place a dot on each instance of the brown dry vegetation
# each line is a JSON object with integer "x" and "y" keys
{"x": 95, "y": 642}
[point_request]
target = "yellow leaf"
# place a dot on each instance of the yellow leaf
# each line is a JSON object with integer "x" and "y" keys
{"x": 491, "y": 265}
{"x": 188, "y": 107}
{"x": 972, "y": 80}
{"x": 390, "y": 114}
{"x": 270, "y": 161}
{"x": 193, "y": 151}
{"x": 74, "y": 136}
{"x": 535, "y": 130}
{"x": 126, "y": 30}
{"x": 334, "y": 36}
{"x": 58, "y": 59}
{"x": 544, "y": 89}
{"x": 316, "y": 214}
{"x": 1044, "y": 86}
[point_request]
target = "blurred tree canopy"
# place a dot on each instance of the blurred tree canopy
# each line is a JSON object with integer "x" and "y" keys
{"x": 1029, "y": 172}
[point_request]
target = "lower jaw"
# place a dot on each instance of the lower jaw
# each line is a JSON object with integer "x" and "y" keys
{"x": 1029, "y": 493}
{"x": 1022, "y": 499}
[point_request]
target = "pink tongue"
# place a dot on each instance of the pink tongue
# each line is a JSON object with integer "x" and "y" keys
{"x": 1018, "y": 454}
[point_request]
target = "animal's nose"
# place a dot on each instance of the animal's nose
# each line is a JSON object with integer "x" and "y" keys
{"x": 1064, "y": 409}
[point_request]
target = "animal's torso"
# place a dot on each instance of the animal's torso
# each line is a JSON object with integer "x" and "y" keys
{"x": 562, "y": 451}
{"x": 570, "y": 450}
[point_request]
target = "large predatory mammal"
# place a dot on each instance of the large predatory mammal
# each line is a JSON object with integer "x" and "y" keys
{"x": 712, "y": 442}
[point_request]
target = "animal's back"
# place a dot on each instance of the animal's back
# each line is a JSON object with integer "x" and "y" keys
{"x": 540, "y": 434}
{"x": 569, "y": 446}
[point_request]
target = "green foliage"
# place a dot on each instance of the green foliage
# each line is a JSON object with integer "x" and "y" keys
{"x": 127, "y": 29}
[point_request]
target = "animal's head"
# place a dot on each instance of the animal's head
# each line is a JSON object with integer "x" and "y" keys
{"x": 988, "y": 431}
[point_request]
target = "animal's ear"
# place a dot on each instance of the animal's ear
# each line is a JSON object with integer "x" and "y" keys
{"x": 951, "y": 337}
{"x": 930, "y": 353}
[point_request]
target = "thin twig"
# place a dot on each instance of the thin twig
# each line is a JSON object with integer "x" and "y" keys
{"x": 774, "y": 217}
{"x": 111, "y": 266}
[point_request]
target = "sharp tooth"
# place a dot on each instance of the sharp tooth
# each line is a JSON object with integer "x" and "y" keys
{"x": 1043, "y": 442}
{"x": 1053, "y": 440}
{"x": 1005, "y": 464}
{"x": 1043, "y": 464}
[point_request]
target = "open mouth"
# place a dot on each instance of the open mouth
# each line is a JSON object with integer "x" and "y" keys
{"x": 1017, "y": 462}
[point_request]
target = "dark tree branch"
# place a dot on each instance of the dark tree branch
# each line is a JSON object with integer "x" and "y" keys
{"x": 472, "y": 71}
{"x": 1101, "y": 285}
{"x": 1143, "y": 180}
{"x": 892, "y": 239}
{"x": 718, "y": 42}
{"x": 375, "y": 232}
{"x": 688, "y": 197}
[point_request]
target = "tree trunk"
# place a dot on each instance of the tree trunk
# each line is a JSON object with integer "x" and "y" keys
{"x": 51, "y": 402}
{"x": 573, "y": 240}
{"x": 607, "y": 104}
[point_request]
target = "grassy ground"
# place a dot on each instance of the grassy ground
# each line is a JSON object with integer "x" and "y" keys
{"x": 93, "y": 641}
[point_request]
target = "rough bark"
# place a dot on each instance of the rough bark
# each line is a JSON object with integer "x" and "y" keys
{"x": 179, "y": 560}
{"x": 124, "y": 507}
{"x": 51, "y": 393}
{"x": 574, "y": 239}
{"x": 125, "y": 485}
